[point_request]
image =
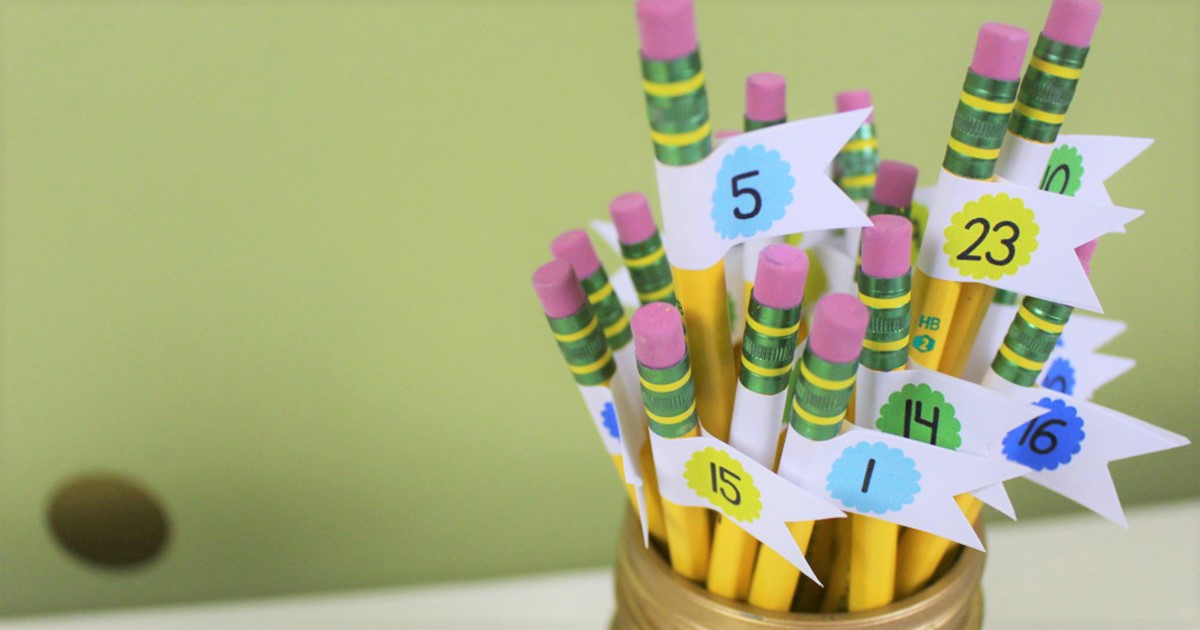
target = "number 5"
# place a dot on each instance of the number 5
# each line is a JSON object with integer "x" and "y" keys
{"x": 733, "y": 183}
{"x": 725, "y": 475}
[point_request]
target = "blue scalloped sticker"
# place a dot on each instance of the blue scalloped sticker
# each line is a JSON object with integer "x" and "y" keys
{"x": 609, "y": 414}
{"x": 874, "y": 478}
{"x": 1049, "y": 440}
{"x": 1060, "y": 376}
{"x": 753, "y": 190}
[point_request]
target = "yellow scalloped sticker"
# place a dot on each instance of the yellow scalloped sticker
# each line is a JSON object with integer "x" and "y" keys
{"x": 991, "y": 237}
{"x": 721, "y": 479}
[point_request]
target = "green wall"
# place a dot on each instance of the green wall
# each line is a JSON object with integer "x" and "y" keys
{"x": 271, "y": 261}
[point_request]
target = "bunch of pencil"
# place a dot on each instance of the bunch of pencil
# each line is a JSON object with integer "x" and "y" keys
{"x": 674, "y": 364}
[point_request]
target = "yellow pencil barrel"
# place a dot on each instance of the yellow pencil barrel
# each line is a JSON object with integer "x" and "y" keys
{"x": 775, "y": 579}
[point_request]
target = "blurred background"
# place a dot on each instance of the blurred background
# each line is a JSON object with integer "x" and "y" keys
{"x": 266, "y": 298}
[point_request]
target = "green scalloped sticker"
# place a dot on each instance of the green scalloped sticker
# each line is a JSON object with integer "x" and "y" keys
{"x": 1064, "y": 171}
{"x": 919, "y": 412}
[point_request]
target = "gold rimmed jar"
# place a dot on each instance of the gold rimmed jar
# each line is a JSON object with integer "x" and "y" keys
{"x": 650, "y": 595}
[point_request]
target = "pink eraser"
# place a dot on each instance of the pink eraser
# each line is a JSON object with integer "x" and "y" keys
{"x": 667, "y": 28}
{"x": 854, "y": 99}
{"x": 1000, "y": 51}
{"x": 766, "y": 97}
{"x": 574, "y": 247}
{"x": 631, "y": 214}
{"x": 658, "y": 340}
{"x": 1085, "y": 253}
{"x": 779, "y": 280}
{"x": 725, "y": 134}
{"x": 838, "y": 328}
{"x": 895, "y": 183}
{"x": 1072, "y": 22}
{"x": 558, "y": 289}
{"x": 887, "y": 246}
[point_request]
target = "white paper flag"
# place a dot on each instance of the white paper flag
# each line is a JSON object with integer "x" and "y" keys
{"x": 941, "y": 410}
{"x": 1074, "y": 367}
{"x": 768, "y": 182}
{"x": 706, "y": 472}
{"x": 1015, "y": 238}
{"x": 1079, "y": 165}
{"x": 1067, "y": 449}
{"x": 618, "y": 428}
{"x": 892, "y": 478}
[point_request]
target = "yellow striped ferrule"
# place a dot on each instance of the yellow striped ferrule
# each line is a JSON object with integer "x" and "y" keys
{"x": 672, "y": 419}
{"x": 991, "y": 107}
{"x": 668, "y": 387}
{"x": 824, "y": 383}
{"x": 683, "y": 139}
{"x": 860, "y": 145}
{"x": 579, "y": 334}
{"x": 647, "y": 260}
{"x": 857, "y": 180}
{"x": 1054, "y": 69}
{"x": 814, "y": 419}
{"x": 762, "y": 371}
{"x": 884, "y": 303}
{"x": 886, "y": 346}
{"x": 1037, "y": 322}
{"x": 654, "y": 296}
{"x": 616, "y": 327}
{"x": 974, "y": 152}
{"x": 1039, "y": 115}
{"x": 1020, "y": 361}
{"x": 771, "y": 331}
{"x": 674, "y": 88}
{"x": 604, "y": 292}
{"x": 593, "y": 366}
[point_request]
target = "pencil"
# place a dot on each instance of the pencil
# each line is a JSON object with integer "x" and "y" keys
{"x": 824, "y": 383}
{"x": 677, "y": 106}
{"x": 768, "y": 348}
{"x": 1045, "y": 95}
{"x": 668, "y": 392}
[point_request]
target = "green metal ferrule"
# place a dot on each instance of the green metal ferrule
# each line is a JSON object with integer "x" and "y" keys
{"x": 677, "y": 113}
{"x": 608, "y": 308}
{"x": 887, "y": 326}
{"x": 749, "y": 124}
{"x": 1004, "y": 297}
{"x": 1044, "y": 95}
{"x": 1029, "y": 341}
{"x": 854, "y": 165}
{"x": 767, "y": 352}
{"x": 649, "y": 270}
{"x": 979, "y": 130}
{"x": 874, "y": 208}
{"x": 678, "y": 399}
{"x": 585, "y": 355}
{"x": 819, "y": 400}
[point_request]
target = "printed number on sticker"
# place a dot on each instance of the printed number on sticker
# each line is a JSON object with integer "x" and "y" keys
{"x": 1064, "y": 172}
{"x": 991, "y": 237}
{"x": 753, "y": 190}
{"x": 874, "y": 478}
{"x": 1049, "y": 440}
{"x": 722, "y": 480}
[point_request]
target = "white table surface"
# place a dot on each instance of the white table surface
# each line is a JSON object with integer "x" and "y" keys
{"x": 1068, "y": 572}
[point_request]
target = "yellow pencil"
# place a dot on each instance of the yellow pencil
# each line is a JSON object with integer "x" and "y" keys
{"x": 677, "y": 107}
{"x": 984, "y": 108}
